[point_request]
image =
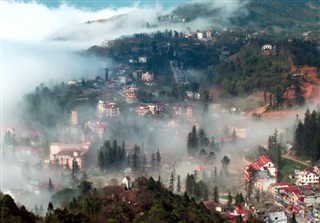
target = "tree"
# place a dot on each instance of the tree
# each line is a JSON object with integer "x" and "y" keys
{"x": 171, "y": 181}
{"x": 158, "y": 160}
{"x": 101, "y": 163}
{"x": 250, "y": 183}
{"x": 225, "y": 163}
{"x": 75, "y": 167}
{"x": 50, "y": 185}
{"x": 229, "y": 204}
{"x": 85, "y": 186}
{"x": 50, "y": 208}
{"x": 178, "y": 184}
{"x": 293, "y": 218}
{"x": 234, "y": 135}
{"x": 216, "y": 195}
{"x": 153, "y": 161}
{"x": 257, "y": 196}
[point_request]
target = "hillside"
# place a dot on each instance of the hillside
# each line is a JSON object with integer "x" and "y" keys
{"x": 287, "y": 15}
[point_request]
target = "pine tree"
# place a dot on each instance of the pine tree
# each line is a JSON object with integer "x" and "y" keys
{"x": 50, "y": 185}
{"x": 225, "y": 163}
{"x": 293, "y": 219}
{"x": 171, "y": 181}
{"x": 241, "y": 199}
{"x": 75, "y": 167}
{"x": 216, "y": 195}
{"x": 178, "y": 184}
{"x": 229, "y": 204}
{"x": 153, "y": 162}
{"x": 136, "y": 162}
{"x": 257, "y": 196}
{"x": 158, "y": 160}
{"x": 101, "y": 160}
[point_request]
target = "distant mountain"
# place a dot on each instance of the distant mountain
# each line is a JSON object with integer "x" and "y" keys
{"x": 296, "y": 15}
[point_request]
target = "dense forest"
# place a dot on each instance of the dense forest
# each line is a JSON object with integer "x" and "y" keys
{"x": 307, "y": 136}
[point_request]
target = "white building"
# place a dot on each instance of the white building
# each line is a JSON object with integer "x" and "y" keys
{"x": 142, "y": 59}
{"x": 109, "y": 109}
{"x": 127, "y": 182}
{"x": 306, "y": 177}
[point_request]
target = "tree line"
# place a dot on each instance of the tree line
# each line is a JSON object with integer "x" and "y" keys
{"x": 307, "y": 136}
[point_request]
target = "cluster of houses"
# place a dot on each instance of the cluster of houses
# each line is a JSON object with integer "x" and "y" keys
{"x": 301, "y": 195}
{"x": 264, "y": 172}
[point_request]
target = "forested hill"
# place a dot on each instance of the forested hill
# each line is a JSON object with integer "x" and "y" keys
{"x": 295, "y": 15}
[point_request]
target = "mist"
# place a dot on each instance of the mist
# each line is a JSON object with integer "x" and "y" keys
{"x": 42, "y": 45}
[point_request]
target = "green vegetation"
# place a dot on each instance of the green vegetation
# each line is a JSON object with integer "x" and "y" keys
{"x": 148, "y": 201}
{"x": 307, "y": 136}
{"x": 287, "y": 167}
{"x": 11, "y": 213}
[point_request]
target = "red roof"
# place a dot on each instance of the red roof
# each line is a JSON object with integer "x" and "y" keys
{"x": 240, "y": 210}
{"x": 260, "y": 162}
{"x": 102, "y": 126}
{"x": 70, "y": 152}
{"x": 292, "y": 189}
{"x": 111, "y": 106}
{"x": 210, "y": 205}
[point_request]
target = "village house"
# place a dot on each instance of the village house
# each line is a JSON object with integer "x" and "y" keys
{"x": 147, "y": 77}
{"x": 74, "y": 118}
{"x": 142, "y": 59}
{"x": 305, "y": 177}
{"x": 63, "y": 154}
{"x": 127, "y": 183}
{"x": 267, "y": 49}
{"x": 264, "y": 170}
{"x": 130, "y": 92}
{"x": 108, "y": 109}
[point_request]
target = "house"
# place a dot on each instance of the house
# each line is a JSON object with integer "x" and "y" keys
{"x": 306, "y": 177}
{"x": 74, "y": 118}
{"x": 266, "y": 49}
{"x": 127, "y": 182}
{"x": 112, "y": 109}
{"x": 131, "y": 92}
{"x": 264, "y": 170}
{"x": 200, "y": 35}
{"x": 65, "y": 157}
{"x": 147, "y": 77}
{"x": 109, "y": 109}
{"x": 101, "y": 129}
{"x": 208, "y": 33}
{"x": 142, "y": 59}
{"x": 63, "y": 154}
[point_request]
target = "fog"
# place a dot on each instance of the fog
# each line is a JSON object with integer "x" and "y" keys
{"x": 42, "y": 45}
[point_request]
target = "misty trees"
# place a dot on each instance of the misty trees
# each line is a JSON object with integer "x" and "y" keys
{"x": 307, "y": 136}
{"x": 50, "y": 185}
{"x": 178, "y": 184}
{"x": 199, "y": 189}
{"x": 275, "y": 149}
{"x": 216, "y": 195}
{"x": 249, "y": 185}
{"x": 171, "y": 181}
{"x": 192, "y": 142}
{"x": 198, "y": 143}
{"x": 111, "y": 156}
{"x": 225, "y": 163}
